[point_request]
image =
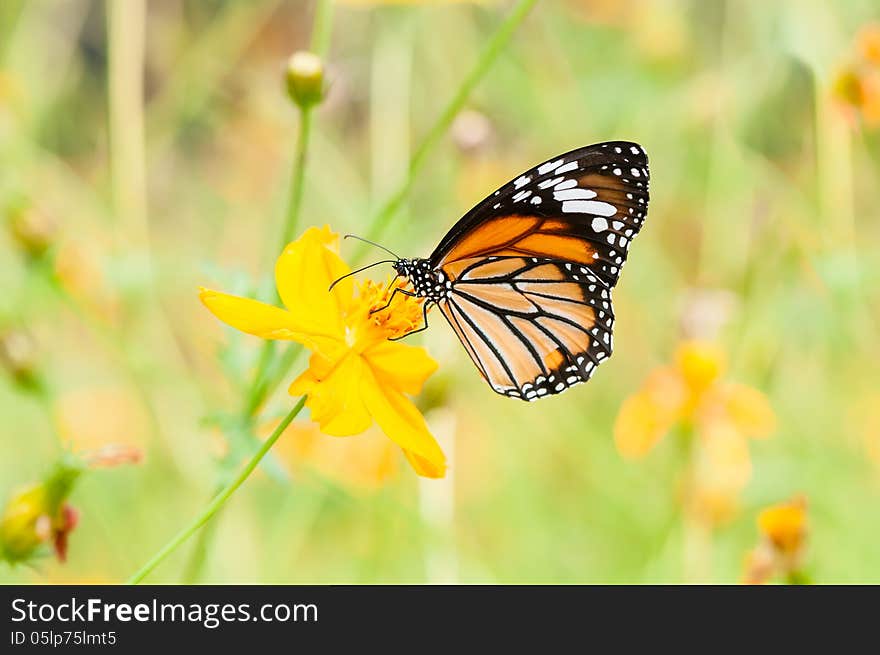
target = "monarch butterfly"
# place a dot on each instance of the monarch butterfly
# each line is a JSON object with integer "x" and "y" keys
{"x": 525, "y": 277}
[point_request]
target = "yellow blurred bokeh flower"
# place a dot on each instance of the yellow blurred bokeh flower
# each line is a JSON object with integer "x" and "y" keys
{"x": 122, "y": 421}
{"x": 355, "y": 374}
{"x": 718, "y": 416}
{"x": 856, "y": 87}
{"x": 690, "y": 392}
{"x": 362, "y": 463}
{"x": 780, "y": 550}
{"x": 785, "y": 525}
{"x": 868, "y": 41}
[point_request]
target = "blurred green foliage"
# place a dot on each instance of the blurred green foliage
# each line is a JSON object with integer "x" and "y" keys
{"x": 764, "y": 187}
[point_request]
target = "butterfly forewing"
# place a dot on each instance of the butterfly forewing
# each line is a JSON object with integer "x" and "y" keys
{"x": 583, "y": 207}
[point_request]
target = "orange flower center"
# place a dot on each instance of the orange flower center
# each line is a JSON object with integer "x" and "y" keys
{"x": 371, "y": 320}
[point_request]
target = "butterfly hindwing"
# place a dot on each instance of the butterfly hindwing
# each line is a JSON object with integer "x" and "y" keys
{"x": 533, "y": 326}
{"x": 584, "y": 207}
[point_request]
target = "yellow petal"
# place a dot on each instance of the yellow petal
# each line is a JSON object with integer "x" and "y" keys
{"x": 724, "y": 460}
{"x": 785, "y": 525}
{"x": 335, "y": 401}
{"x": 722, "y": 468}
{"x": 668, "y": 391}
{"x": 251, "y": 316}
{"x": 402, "y": 422}
{"x": 303, "y": 275}
{"x": 424, "y": 467}
{"x": 749, "y": 410}
{"x": 640, "y": 424}
{"x": 400, "y": 366}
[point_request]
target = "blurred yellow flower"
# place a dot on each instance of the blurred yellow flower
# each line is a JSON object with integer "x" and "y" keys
{"x": 856, "y": 86}
{"x": 355, "y": 374}
{"x": 721, "y": 416}
{"x": 785, "y": 525}
{"x": 869, "y": 43}
{"x": 690, "y": 392}
{"x": 783, "y": 530}
{"x": 122, "y": 421}
{"x": 365, "y": 462}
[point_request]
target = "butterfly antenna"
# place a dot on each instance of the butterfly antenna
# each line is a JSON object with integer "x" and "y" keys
{"x": 372, "y": 243}
{"x": 362, "y": 268}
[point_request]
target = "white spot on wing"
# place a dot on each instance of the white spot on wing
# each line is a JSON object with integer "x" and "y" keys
{"x": 549, "y": 166}
{"x": 549, "y": 183}
{"x": 589, "y": 207}
{"x": 599, "y": 224}
{"x": 575, "y": 194}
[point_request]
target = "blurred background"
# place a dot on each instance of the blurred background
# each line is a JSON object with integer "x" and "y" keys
{"x": 148, "y": 150}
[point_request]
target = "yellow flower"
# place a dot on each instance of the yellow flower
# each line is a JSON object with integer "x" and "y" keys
{"x": 783, "y": 529}
{"x": 691, "y": 392}
{"x": 355, "y": 374}
{"x": 857, "y": 91}
{"x": 869, "y": 43}
{"x": 722, "y": 416}
{"x": 785, "y": 525}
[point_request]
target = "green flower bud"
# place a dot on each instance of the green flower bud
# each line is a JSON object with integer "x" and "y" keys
{"x": 18, "y": 355}
{"x": 31, "y": 229}
{"x": 305, "y": 79}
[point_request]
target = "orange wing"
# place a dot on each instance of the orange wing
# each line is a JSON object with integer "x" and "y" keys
{"x": 533, "y": 326}
{"x": 584, "y": 207}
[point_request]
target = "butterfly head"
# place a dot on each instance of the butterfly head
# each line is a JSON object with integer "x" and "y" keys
{"x": 427, "y": 281}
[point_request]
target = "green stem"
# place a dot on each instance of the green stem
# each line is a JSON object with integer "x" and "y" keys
{"x": 322, "y": 27}
{"x": 126, "y": 25}
{"x": 196, "y": 563}
{"x": 256, "y": 395}
{"x": 219, "y": 500}
{"x": 493, "y": 49}
{"x": 298, "y": 176}
{"x": 270, "y": 380}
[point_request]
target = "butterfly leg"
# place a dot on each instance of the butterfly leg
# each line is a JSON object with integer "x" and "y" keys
{"x": 421, "y": 329}
{"x": 391, "y": 299}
